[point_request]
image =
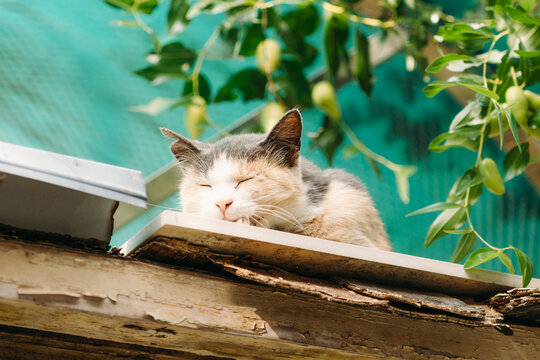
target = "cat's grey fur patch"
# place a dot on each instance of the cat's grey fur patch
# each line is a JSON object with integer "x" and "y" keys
{"x": 315, "y": 180}
{"x": 246, "y": 146}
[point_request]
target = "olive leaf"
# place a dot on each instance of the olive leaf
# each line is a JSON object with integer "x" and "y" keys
{"x": 499, "y": 113}
{"x": 449, "y": 219}
{"x": 525, "y": 265}
{"x": 238, "y": 40}
{"x": 461, "y": 31}
{"x": 480, "y": 256}
{"x": 475, "y": 192}
{"x": 437, "y": 86}
{"x": 249, "y": 84}
{"x": 451, "y": 140}
{"x": 204, "y": 88}
{"x": 303, "y": 20}
{"x": 172, "y": 61}
{"x": 506, "y": 262}
{"x": 518, "y": 14}
{"x": 515, "y": 162}
{"x": 470, "y": 178}
{"x": 335, "y": 38}
{"x": 459, "y": 231}
{"x": 293, "y": 29}
{"x": 435, "y": 207}
{"x": 513, "y": 126}
{"x": 176, "y": 17}
{"x": 143, "y": 6}
{"x": 469, "y": 112}
{"x": 350, "y": 151}
{"x": 402, "y": 181}
{"x": 523, "y": 53}
{"x": 443, "y": 61}
{"x": 362, "y": 70}
{"x": 465, "y": 245}
{"x": 215, "y": 7}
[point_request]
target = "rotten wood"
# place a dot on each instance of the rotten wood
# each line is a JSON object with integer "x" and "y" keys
{"x": 61, "y": 296}
{"x": 349, "y": 291}
{"x": 519, "y": 305}
{"x": 417, "y": 299}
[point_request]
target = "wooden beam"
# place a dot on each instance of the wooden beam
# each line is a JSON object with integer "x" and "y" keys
{"x": 52, "y": 298}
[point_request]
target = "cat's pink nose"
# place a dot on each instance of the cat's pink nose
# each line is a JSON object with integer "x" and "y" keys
{"x": 223, "y": 205}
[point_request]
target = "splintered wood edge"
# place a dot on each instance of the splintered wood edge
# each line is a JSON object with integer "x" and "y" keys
{"x": 320, "y": 257}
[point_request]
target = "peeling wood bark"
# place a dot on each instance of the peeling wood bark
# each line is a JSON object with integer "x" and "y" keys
{"x": 60, "y": 295}
{"x": 418, "y": 299}
{"x": 519, "y": 304}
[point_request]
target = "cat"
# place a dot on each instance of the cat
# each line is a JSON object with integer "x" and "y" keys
{"x": 262, "y": 180}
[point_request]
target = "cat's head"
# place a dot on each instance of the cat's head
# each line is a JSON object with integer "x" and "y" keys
{"x": 250, "y": 177}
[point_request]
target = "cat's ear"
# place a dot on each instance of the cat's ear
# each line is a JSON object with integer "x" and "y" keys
{"x": 183, "y": 148}
{"x": 286, "y": 135}
{"x": 288, "y": 129}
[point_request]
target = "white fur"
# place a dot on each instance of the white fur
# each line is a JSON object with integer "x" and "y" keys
{"x": 223, "y": 179}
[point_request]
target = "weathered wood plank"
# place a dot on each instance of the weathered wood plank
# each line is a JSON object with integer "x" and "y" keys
{"x": 323, "y": 258}
{"x": 102, "y": 298}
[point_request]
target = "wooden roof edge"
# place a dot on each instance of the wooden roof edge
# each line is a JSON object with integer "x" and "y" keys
{"x": 66, "y": 293}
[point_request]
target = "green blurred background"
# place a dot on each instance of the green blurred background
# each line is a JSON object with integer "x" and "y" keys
{"x": 66, "y": 83}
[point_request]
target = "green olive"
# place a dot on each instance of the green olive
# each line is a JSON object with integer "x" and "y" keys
{"x": 492, "y": 176}
{"x": 271, "y": 114}
{"x": 515, "y": 97}
{"x": 268, "y": 55}
{"x": 324, "y": 97}
{"x": 196, "y": 117}
{"x": 533, "y": 99}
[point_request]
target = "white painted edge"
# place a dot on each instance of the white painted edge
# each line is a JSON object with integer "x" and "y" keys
{"x": 95, "y": 178}
{"x": 346, "y": 251}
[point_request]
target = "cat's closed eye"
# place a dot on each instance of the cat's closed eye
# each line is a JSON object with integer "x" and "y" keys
{"x": 243, "y": 181}
{"x": 206, "y": 185}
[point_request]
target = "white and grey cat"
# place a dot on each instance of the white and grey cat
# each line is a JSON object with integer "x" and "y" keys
{"x": 262, "y": 180}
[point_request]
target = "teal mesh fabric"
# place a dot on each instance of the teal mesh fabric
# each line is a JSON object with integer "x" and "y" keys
{"x": 66, "y": 83}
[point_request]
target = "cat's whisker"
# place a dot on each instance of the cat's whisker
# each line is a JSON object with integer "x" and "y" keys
{"x": 283, "y": 212}
{"x": 257, "y": 222}
{"x": 282, "y": 216}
